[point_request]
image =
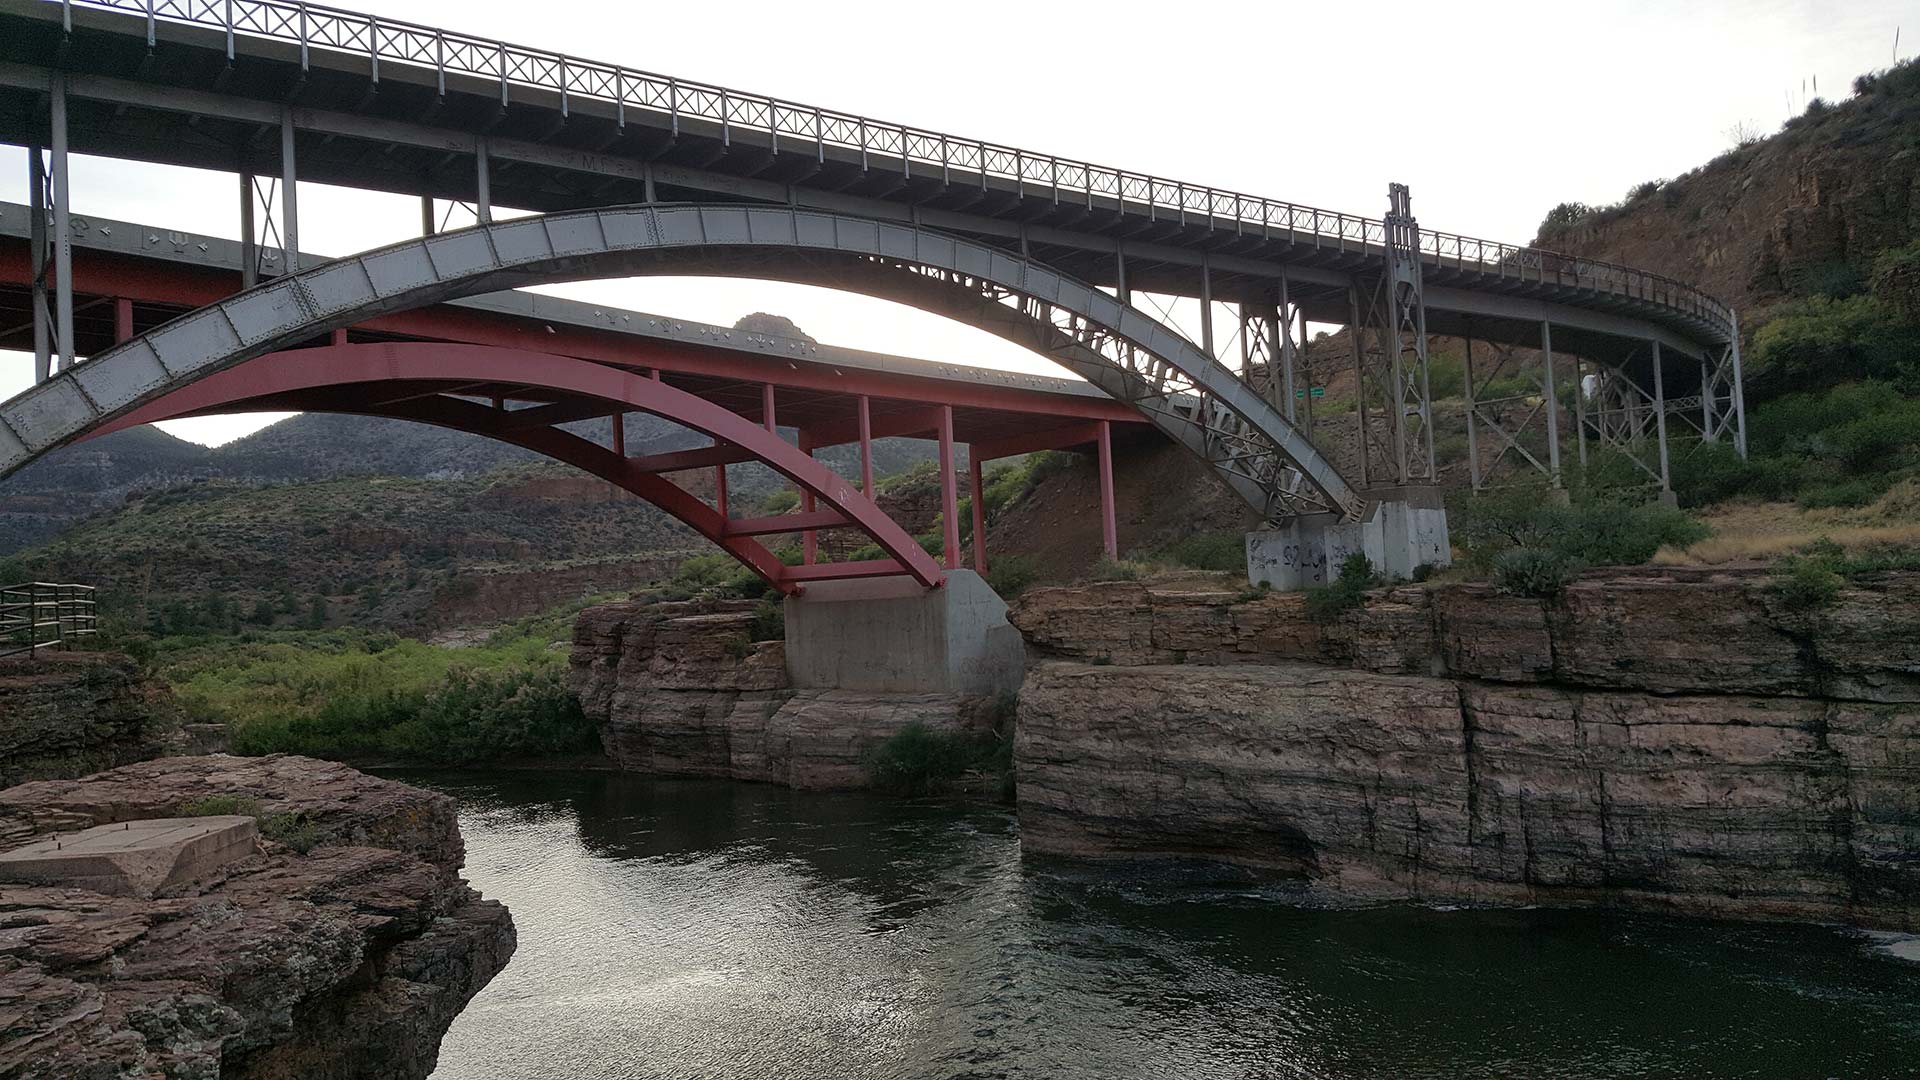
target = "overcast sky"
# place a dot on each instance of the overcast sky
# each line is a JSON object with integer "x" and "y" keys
{"x": 1492, "y": 112}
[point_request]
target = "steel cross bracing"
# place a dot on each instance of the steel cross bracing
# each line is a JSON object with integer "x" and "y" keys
{"x": 666, "y": 101}
{"x": 1494, "y": 416}
{"x": 1395, "y": 407}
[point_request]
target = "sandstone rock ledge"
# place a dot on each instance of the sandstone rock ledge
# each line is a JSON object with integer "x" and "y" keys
{"x": 1676, "y": 744}
{"x": 680, "y": 690}
{"x": 348, "y": 961}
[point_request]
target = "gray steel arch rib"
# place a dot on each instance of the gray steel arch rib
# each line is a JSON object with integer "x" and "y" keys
{"x": 1192, "y": 398}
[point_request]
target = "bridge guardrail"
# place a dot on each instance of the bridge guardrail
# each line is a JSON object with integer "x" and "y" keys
{"x": 441, "y": 51}
{"x": 40, "y": 615}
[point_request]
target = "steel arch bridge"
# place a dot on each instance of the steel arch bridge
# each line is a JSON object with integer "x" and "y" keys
{"x": 636, "y": 173}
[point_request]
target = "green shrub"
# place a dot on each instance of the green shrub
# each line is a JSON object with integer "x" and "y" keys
{"x": 1009, "y": 575}
{"x": 1534, "y": 572}
{"x": 1811, "y": 579}
{"x": 1859, "y": 491}
{"x": 779, "y": 502}
{"x": 292, "y": 828}
{"x": 1117, "y": 570}
{"x": 769, "y": 621}
{"x": 1221, "y": 551}
{"x": 1345, "y": 593}
{"x": 1599, "y": 532}
{"x": 918, "y": 760}
{"x": 1822, "y": 342}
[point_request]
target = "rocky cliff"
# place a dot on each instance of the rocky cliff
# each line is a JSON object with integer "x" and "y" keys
{"x": 681, "y": 689}
{"x": 1676, "y": 740}
{"x": 69, "y": 713}
{"x": 1771, "y": 217}
{"x": 342, "y": 950}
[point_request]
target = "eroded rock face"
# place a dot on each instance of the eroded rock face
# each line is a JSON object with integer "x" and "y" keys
{"x": 72, "y": 713}
{"x": 1680, "y": 744}
{"x": 346, "y": 962}
{"x": 680, "y": 690}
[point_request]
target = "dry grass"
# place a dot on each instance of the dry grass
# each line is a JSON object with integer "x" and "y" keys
{"x": 1757, "y": 532}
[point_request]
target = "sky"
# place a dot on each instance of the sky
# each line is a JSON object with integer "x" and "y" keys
{"x": 1492, "y": 112}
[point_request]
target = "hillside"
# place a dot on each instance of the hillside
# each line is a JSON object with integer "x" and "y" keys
{"x": 1805, "y": 211}
{"x": 383, "y": 551}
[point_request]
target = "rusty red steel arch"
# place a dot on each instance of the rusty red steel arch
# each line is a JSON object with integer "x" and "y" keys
{"x": 333, "y": 378}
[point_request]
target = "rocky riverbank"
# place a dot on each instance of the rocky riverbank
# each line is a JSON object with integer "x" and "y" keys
{"x": 341, "y": 950}
{"x": 1678, "y": 740}
{"x": 682, "y": 689}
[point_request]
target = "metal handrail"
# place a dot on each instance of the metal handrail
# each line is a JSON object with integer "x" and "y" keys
{"x": 384, "y": 40}
{"x": 38, "y": 615}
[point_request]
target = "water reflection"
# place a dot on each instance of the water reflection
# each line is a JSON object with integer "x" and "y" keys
{"x": 709, "y": 929}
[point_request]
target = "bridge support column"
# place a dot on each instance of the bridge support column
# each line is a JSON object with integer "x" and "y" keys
{"x": 949, "y": 494}
{"x": 37, "y": 252}
{"x": 977, "y": 494}
{"x": 289, "y": 195}
{"x": 891, "y": 635}
{"x": 62, "y": 229}
{"x": 1407, "y": 529}
{"x": 1109, "y": 528}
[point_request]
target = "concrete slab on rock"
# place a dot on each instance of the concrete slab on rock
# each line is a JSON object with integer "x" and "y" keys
{"x": 133, "y": 858}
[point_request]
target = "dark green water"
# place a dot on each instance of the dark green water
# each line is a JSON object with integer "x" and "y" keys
{"x": 708, "y": 929}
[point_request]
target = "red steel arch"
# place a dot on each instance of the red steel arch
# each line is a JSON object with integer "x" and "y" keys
{"x": 336, "y": 378}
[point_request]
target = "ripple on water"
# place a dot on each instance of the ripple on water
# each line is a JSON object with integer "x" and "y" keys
{"x": 716, "y": 930}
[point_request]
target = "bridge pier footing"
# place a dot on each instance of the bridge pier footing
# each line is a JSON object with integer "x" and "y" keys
{"x": 1406, "y": 527}
{"x": 891, "y": 635}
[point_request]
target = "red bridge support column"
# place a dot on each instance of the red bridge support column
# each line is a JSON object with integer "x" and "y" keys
{"x": 1109, "y": 532}
{"x": 949, "y": 494}
{"x": 978, "y": 493}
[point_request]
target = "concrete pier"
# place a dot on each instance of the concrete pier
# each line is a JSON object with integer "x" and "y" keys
{"x": 1405, "y": 529}
{"x": 891, "y": 635}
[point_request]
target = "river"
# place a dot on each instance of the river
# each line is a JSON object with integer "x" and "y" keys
{"x": 678, "y": 928}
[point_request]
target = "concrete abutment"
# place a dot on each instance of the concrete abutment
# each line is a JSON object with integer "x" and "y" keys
{"x": 1406, "y": 527}
{"x": 891, "y": 635}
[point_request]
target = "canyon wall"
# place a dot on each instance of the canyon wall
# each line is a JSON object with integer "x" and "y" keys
{"x": 682, "y": 689}
{"x": 341, "y": 950}
{"x": 1659, "y": 739}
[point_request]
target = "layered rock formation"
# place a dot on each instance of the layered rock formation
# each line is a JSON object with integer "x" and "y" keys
{"x": 1657, "y": 739}
{"x": 681, "y": 689}
{"x": 69, "y": 713}
{"x": 342, "y": 950}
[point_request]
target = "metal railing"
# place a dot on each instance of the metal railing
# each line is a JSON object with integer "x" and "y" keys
{"x": 43, "y": 615}
{"x": 396, "y": 41}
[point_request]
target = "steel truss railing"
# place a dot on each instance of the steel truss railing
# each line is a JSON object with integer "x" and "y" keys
{"x": 41, "y": 615}
{"x": 394, "y": 41}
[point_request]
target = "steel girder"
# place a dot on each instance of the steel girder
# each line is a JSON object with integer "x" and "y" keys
{"x": 433, "y": 378}
{"x": 1508, "y": 417}
{"x": 1190, "y": 396}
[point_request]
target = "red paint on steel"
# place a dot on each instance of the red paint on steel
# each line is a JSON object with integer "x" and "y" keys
{"x": 1057, "y": 438}
{"x": 949, "y": 498}
{"x": 1109, "y": 530}
{"x": 335, "y": 366}
{"x": 866, "y": 445}
{"x": 978, "y": 493}
{"x": 122, "y": 319}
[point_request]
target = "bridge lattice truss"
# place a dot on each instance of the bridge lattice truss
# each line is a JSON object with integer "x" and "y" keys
{"x": 1281, "y": 263}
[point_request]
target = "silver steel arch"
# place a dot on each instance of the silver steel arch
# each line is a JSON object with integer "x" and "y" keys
{"x": 1188, "y": 395}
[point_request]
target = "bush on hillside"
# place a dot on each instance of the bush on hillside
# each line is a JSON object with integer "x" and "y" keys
{"x": 1819, "y": 342}
{"x": 1594, "y": 532}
